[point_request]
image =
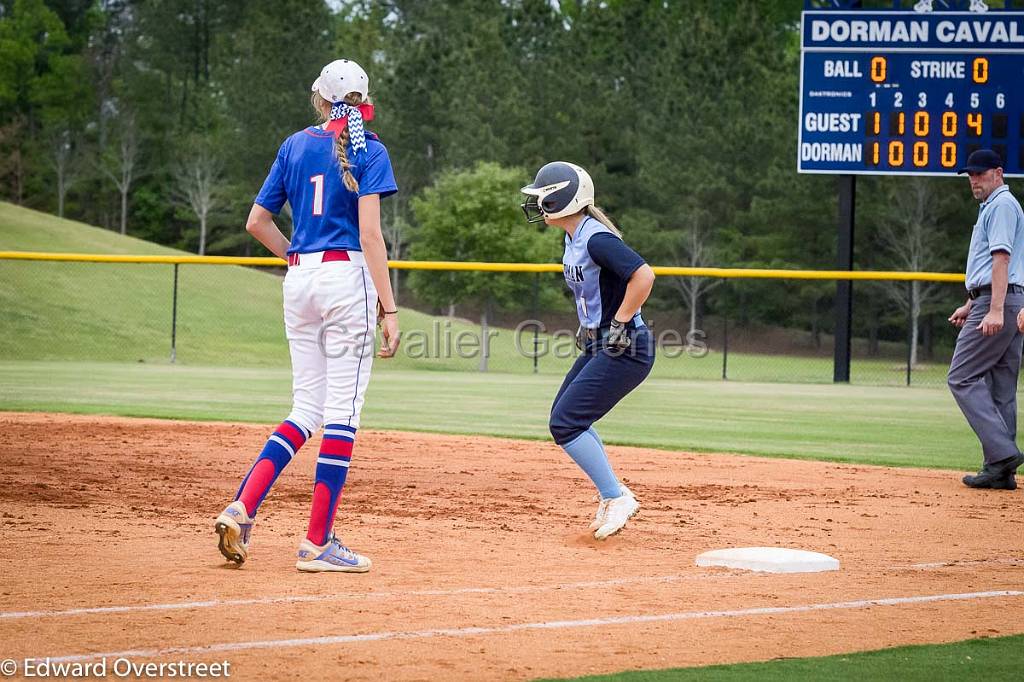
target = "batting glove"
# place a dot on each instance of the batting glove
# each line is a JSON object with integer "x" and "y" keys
{"x": 618, "y": 336}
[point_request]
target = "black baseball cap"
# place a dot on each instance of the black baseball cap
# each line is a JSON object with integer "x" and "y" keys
{"x": 980, "y": 161}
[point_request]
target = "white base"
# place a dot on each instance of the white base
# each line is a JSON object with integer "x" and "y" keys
{"x": 769, "y": 560}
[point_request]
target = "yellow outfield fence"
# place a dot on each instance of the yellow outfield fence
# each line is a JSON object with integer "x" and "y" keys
{"x": 450, "y": 266}
{"x": 746, "y": 324}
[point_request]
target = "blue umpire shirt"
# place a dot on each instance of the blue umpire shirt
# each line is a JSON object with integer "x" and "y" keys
{"x": 1000, "y": 227}
{"x": 306, "y": 173}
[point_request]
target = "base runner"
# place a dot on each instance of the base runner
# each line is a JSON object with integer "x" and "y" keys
{"x": 610, "y": 282}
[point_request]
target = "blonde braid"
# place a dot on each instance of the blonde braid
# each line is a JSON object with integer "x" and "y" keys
{"x": 341, "y": 147}
{"x": 598, "y": 215}
{"x": 322, "y": 107}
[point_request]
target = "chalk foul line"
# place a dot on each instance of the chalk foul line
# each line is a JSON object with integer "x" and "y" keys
{"x": 525, "y": 627}
{"x": 342, "y": 596}
{"x": 405, "y": 594}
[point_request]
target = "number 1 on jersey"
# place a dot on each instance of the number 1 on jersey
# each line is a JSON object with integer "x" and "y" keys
{"x": 318, "y": 194}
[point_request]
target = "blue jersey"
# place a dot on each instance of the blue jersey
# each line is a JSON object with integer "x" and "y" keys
{"x": 1000, "y": 227}
{"x": 597, "y": 266}
{"x": 307, "y": 174}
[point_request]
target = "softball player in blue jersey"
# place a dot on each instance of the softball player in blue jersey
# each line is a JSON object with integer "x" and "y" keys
{"x": 333, "y": 176}
{"x": 610, "y": 282}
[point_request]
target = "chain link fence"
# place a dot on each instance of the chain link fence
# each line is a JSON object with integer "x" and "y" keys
{"x": 750, "y": 330}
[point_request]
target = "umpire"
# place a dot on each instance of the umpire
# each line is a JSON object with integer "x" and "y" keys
{"x": 986, "y": 362}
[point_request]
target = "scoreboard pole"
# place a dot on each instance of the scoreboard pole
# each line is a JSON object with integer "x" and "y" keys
{"x": 904, "y": 92}
{"x": 844, "y": 287}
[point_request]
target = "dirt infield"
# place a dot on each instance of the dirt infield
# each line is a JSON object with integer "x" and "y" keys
{"x": 482, "y": 566}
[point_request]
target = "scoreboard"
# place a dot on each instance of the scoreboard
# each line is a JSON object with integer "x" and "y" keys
{"x": 906, "y": 93}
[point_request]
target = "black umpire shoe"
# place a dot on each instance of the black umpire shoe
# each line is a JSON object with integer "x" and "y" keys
{"x": 998, "y": 475}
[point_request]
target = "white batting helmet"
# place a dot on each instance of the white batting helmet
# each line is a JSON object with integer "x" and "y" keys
{"x": 339, "y": 78}
{"x": 560, "y": 189}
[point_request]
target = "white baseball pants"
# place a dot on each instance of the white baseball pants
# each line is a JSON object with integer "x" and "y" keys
{"x": 330, "y": 312}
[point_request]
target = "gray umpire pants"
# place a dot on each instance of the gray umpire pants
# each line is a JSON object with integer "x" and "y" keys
{"x": 983, "y": 377}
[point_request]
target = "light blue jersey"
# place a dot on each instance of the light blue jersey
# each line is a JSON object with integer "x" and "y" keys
{"x": 597, "y": 266}
{"x": 1000, "y": 227}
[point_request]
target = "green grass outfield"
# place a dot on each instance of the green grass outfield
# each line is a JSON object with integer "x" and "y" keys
{"x": 988, "y": 660}
{"x": 873, "y": 425}
{"x": 231, "y": 316}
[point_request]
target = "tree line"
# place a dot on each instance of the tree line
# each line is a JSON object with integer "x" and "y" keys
{"x": 160, "y": 119}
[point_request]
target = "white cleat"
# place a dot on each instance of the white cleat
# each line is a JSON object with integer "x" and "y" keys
{"x": 602, "y": 508}
{"x": 979, "y": 6}
{"x": 923, "y": 6}
{"x": 234, "y": 528}
{"x": 602, "y": 511}
{"x": 330, "y": 557}
{"x": 617, "y": 511}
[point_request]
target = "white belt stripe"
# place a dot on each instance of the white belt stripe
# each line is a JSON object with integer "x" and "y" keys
{"x": 283, "y": 443}
{"x": 332, "y": 462}
{"x": 316, "y": 258}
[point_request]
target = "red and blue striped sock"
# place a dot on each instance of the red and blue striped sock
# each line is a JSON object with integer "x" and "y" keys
{"x": 279, "y": 450}
{"x": 331, "y": 470}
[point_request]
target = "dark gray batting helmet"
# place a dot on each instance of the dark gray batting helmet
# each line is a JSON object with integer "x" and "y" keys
{"x": 560, "y": 189}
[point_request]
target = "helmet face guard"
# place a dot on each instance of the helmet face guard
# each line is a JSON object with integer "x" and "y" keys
{"x": 560, "y": 189}
{"x": 531, "y": 208}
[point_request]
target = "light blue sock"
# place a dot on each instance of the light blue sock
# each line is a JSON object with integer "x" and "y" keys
{"x": 588, "y": 452}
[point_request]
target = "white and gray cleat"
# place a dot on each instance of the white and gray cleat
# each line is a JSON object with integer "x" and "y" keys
{"x": 617, "y": 511}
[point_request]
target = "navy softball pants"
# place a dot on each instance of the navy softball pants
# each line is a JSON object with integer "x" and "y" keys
{"x": 598, "y": 380}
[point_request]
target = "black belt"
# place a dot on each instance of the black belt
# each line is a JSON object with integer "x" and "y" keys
{"x": 987, "y": 289}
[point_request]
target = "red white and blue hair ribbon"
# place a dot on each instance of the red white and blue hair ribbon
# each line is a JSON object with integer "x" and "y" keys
{"x": 356, "y": 134}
